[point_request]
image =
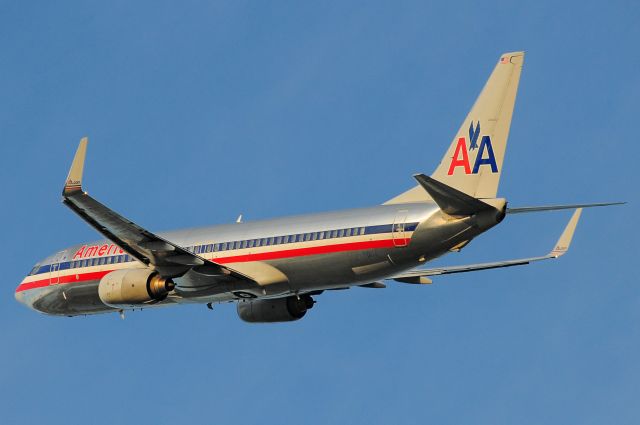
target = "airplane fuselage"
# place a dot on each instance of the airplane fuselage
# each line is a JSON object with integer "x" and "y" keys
{"x": 298, "y": 255}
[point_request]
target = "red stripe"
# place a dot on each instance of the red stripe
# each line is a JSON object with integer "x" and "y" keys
{"x": 62, "y": 280}
{"x": 314, "y": 250}
{"x": 263, "y": 256}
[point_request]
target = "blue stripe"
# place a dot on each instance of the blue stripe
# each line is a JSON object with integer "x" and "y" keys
{"x": 368, "y": 230}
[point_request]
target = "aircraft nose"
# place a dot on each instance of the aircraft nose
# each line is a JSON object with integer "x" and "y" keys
{"x": 21, "y": 296}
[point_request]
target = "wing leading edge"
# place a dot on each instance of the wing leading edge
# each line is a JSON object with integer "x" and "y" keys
{"x": 559, "y": 249}
{"x": 168, "y": 258}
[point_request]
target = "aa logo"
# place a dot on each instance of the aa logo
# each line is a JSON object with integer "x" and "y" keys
{"x": 484, "y": 155}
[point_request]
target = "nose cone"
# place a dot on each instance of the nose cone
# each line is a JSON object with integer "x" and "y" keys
{"x": 18, "y": 295}
{"x": 22, "y": 296}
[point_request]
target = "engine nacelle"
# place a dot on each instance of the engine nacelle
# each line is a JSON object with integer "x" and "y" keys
{"x": 131, "y": 288}
{"x": 275, "y": 310}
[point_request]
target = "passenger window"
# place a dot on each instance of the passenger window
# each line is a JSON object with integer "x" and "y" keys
{"x": 270, "y": 241}
{"x": 340, "y": 233}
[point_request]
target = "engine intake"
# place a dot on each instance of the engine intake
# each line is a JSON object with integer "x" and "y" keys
{"x": 130, "y": 288}
{"x": 276, "y": 310}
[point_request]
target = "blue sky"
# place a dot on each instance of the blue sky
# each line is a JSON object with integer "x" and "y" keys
{"x": 199, "y": 111}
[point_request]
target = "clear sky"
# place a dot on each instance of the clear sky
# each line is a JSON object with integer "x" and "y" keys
{"x": 198, "y": 111}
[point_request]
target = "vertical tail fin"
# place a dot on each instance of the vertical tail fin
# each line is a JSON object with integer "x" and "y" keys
{"x": 473, "y": 162}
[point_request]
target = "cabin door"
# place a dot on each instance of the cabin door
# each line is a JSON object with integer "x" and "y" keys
{"x": 398, "y": 232}
{"x": 54, "y": 277}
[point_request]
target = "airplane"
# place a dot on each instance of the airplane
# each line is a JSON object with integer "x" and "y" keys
{"x": 273, "y": 269}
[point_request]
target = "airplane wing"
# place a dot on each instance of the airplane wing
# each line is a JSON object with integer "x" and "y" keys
{"x": 559, "y": 249}
{"x": 168, "y": 258}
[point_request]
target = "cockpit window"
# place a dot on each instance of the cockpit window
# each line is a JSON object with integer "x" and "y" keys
{"x": 34, "y": 270}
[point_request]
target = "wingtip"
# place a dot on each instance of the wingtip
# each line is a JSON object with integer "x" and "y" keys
{"x": 562, "y": 246}
{"x": 73, "y": 183}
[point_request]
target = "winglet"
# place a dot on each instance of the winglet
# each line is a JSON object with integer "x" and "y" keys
{"x": 73, "y": 183}
{"x": 562, "y": 246}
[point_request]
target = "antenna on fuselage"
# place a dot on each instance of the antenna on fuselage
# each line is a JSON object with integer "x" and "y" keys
{"x": 239, "y": 219}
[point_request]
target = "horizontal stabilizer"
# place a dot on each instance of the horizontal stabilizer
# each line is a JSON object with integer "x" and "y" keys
{"x": 560, "y": 248}
{"x": 450, "y": 200}
{"x": 519, "y": 210}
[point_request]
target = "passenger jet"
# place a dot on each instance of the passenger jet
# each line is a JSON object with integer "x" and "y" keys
{"x": 273, "y": 269}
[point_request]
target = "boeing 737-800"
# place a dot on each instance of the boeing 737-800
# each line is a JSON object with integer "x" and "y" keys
{"x": 273, "y": 268}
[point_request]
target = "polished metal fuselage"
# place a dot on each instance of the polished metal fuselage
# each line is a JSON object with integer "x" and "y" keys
{"x": 419, "y": 232}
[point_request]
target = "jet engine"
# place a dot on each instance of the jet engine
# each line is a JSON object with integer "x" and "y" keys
{"x": 274, "y": 310}
{"x": 131, "y": 288}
